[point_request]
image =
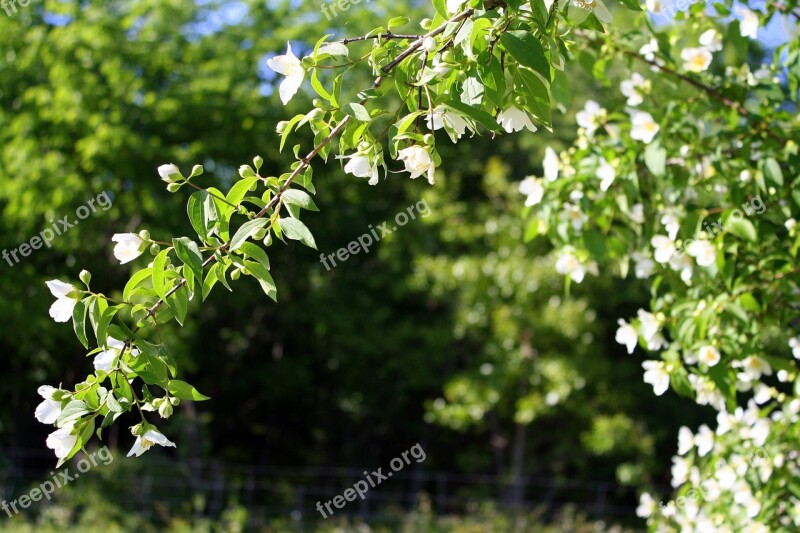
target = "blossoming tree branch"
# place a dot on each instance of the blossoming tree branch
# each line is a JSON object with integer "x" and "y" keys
{"x": 687, "y": 182}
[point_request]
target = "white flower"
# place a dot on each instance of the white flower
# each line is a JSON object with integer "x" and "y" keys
{"x": 790, "y": 224}
{"x": 649, "y": 50}
{"x": 575, "y": 216}
{"x": 128, "y": 247}
{"x": 655, "y": 7}
{"x": 680, "y": 471}
{"x": 633, "y": 88}
{"x": 643, "y": 127}
{"x": 441, "y": 117}
{"x": 61, "y": 441}
{"x": 794, "y": 344}
{"x": 515, "y": 119}
{"x": 647, "y": 506}
{"x": 748, "y": 22}
{"x": 147, "y": 441}
{"x": 361, "y": 166}
{"x": 708, "y": 355}
{"x": 703, "y": 251}
{"x": 696, "y": 59}
{"x": 597, "y": 6}
{"x": 711, "y": 40}
{"x": 429, "y": 44}
{"x": 418, "y": 162}
{"x": 49, "y": 410}
{"x": 61, "y": 310}
{"x": 664, "y": 248}
{"x": 533, "y": 190}
{"x": 591, "y": 117}
{"x": 704, "y": 440}
{"x": 649, "y": 324}
{"x": 753, "y": 367}
{"x": 682, "y": 264}
{"x": 454, "y": 5}
{"x": 105, "y": 360}
{"x": 759, "y": 432}
{"x": 167, "y": 171}
{"x": 656, "y": 375}
{"x": 567, "y": 264}
{"x": 291, "y": 67}
{"x": 645, "y": 267}
{"x": 551, "y": 164}
{"x": 763, "y": 393}
{"x": 685, "y": 440}
{"x": 606, "y": 173}
{"x": 627, "y": 335}
{"x": 672, "y": 224}
{"x": 637, "y": 213}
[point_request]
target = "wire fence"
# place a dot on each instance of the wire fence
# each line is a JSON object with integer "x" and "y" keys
{"x": 153, "y": 486}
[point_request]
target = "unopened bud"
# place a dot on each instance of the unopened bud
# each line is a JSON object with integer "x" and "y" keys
{"x": 85, "y": 277}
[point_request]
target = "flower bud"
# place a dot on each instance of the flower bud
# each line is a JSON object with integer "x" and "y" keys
{"x": 260, "y": 234}
{"x": 144, "y": 235}
{"x": 258, "y": 161}
{"x": 173, "y": 187}
{"x": 425, "y": 24}
{"x": 165, "y": 410}
{"x": 268, "y": 239}
{"x": 236, "y": 274}
{"x": 316, "y": 115}
{"x": 281, "y": 127}
{"x": 364, "y": 146}
{"x": 155, "y": 248}
{"x": 429, "y": 139}
{"x": 85, "y": 277}
{"x": 246, "y": 171}
{"x": 429, "y": 44}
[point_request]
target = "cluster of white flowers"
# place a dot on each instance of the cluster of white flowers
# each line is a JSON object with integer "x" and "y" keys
{"x": 568, "y": 264}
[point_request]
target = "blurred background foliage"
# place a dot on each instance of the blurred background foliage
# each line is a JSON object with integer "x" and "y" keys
{"x": 451, "y": 332}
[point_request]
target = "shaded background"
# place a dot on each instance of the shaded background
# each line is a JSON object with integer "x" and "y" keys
{"x": 451, "y": 332}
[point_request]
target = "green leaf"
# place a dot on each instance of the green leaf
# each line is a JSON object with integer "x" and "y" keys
{"x": 655, "y": 157}
{"x": 102, "y": 325}
{"x": 297, "y": 231}
{"x": 256, "y": 252}
{"x": 189, "y": 253}
{"x": 247, "y": 230}
{"x": 194, "y": 208}
{"x": 538, "y": 99}
{"x": 318, "y": 87}
{"x": 480, "y": 116}
{"x": 184, "y": 391}
{"x": 742, "y": 228}
{"x": 79, "y": 322}
{"x": 73, "y": 411}
{"x": 159, "y": 273}
{"x": 134, "y": 282}
{"x": 264, "y": 278}
{"x": 113, "y": 404}
{"x": 299, "y": 198}
{"x": 180, "y": 302}
{"x": 773, "y": 172}
{"x": 527, "y": 50}
{"x": 358, "y": 112}
{"x": 240, "y": 189}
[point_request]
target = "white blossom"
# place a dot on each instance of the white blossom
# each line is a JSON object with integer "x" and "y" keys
{"x": 418, "y": 162}
{"x": 711, "y": 40}
{"x": 704, "y": 440}
{"x": 453, "y": 6}
{"x": 703, "y": 251}
{"x": 708, "y": 355}
{"x": 607, "y": 174}
{"x": 685, "y": 440}
{"x": 671, "y": 223}
{"x": 569, "y": 265}
{"x": 647, "y": 506}
{"x": 753, "y": 367}
{"x": 626, "y": 335}
{"x": 290, "y": 66}
{"x": 696, "y": 59}
{"x": 49, "y": 410}
{"x": 643, "y": 127}
{"x": 105, "y": 360}
{"x": 648, "y": 51}
{"x": 637, "y": 213}
{"x": 361, "y": 166}
{"x": 61, "y": 310}
{"x": 533, "y": 190}
{"x": 748, "y": 22}
{"x": 591, "y": 117}
{"x": 550, "y": 164}
{"x": 441, "y": 116}
{"x": 167, "y": 171}
{"x": 61, "y": 441}
{"x": 663, "y": 248}
{"x": 129, "y": 246}
{"x": 656, "y": 375}
{"x": 515, "y": 119}
{"x": 150, "y": 438}
{"x": 794, "y": 344}
{"x": 633, "y": 88}
{"x": 644, "y": 266}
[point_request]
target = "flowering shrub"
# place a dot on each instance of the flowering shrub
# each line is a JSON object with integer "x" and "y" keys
{"x": 691, "y": 136}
